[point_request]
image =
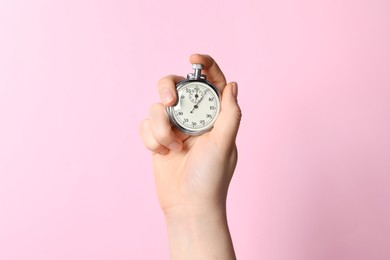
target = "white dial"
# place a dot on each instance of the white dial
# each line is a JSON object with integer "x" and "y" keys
{"x": 198, "y": 106}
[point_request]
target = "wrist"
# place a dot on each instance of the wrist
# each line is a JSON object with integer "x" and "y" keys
{"x": 199, "y": 232}
{"x": 195, "y": 211}
{"x": 194, "y": 223}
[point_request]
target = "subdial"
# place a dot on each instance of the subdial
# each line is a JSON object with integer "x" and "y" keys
{"x": 195, "y": 95}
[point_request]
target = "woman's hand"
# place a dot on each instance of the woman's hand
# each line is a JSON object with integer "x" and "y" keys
{"x": 193, "y": 172}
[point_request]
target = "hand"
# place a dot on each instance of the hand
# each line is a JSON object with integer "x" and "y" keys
{"x": 193, "y": 172}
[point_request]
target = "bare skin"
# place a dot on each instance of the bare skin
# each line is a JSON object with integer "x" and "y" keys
{"x": 193, "y": 172}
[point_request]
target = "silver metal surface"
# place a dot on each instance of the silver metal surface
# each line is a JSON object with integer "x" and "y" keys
{"x": 197, "y": 70}
{"x": 197, "y": 67}
{"x": 193, "y": 77}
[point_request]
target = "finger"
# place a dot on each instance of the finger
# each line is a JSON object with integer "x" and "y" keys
{"x": 148, "y": 139}
{"x": 211, "y": 69}
{"x": 226, "y": 127}
{"x": 161, "y": 128}
{"x": 167, "y": 89}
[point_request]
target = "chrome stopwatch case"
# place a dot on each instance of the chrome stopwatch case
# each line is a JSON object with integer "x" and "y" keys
{"x": 198, "y": 104}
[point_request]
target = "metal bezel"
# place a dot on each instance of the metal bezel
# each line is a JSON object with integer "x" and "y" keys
{"x": 170, "y": 108}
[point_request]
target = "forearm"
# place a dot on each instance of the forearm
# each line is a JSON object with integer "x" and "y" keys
{"x": 197, "y": 235}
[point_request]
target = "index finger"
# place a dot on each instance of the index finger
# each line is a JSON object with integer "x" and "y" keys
{"x": 211, "y": 69}
{"x": 167, "y": 89}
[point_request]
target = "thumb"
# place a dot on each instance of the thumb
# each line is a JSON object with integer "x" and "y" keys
{"x": 226, "y": 127}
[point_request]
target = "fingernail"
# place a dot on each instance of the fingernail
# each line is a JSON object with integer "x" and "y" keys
{"x": 234, "y": 89}
{"x": 167, "y": 96}
{"x": 175, "y": 146}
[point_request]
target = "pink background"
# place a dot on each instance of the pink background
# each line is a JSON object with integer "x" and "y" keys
{"x": 77, "y": 77}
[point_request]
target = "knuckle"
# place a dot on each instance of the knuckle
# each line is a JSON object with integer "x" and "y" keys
{"x": 234, "y": 109}
{"x": 163, "y": 135}
{"x": 238, "y": 113}
{"x": 154, "y": 109}
{"x": 149, "y": 142}
{"x": 153, "y": 147}
{"x": 150, "y": 145}
{"x": 235, "y": 113}
{"x": 166, "y": 81}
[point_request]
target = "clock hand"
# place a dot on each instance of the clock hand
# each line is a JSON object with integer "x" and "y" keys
{"x": 196, "y": 105}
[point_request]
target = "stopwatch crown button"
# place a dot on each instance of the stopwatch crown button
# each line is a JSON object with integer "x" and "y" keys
{"x": 197, "y": 71}
{"x": 197, "y": 66}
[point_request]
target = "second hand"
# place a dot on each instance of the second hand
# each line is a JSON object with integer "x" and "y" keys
{"x": 196, "y": 105}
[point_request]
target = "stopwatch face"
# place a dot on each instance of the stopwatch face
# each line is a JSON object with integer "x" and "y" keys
{"x": 197, "y": 107}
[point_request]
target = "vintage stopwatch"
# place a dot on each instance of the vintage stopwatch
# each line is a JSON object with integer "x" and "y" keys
{"x": 198, "y": 104}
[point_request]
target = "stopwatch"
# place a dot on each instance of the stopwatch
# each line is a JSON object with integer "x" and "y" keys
{"x": 198, "y": 103}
